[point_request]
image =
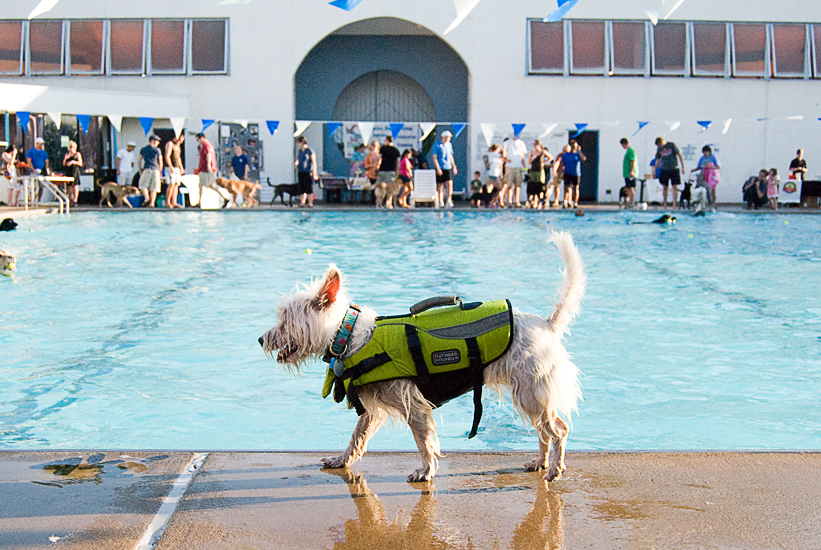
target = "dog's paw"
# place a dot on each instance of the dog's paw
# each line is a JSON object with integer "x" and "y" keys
{"x": 333, "y": 463}
{"x": 422, "y": 474}
{"x": 553, "y": 473}
{"x": 535, "y": 465}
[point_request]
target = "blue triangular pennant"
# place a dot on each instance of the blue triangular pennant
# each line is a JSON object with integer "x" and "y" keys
{"x": 84, "y": 121}
{"x": 579, "y": 129}
{"x": 347, "y": 5}
{"x": 272, "y": 126}
{"x": 641, "y": 125}
{"x": 23, "y": 119}
{"x": 457, "y": 129}
{"x": 704, "y": 124}
{"x": 206, "y": 122}
{"x": 517, "y": 129}
{"x": 557, "y": 15}
{"x": 146, "y": 122}
{"x": 396, "y": 127}
{"x": 333, "y": 127}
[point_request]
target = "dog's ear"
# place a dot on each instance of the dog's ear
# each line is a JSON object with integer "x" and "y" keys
{"x": 328, "y": 289}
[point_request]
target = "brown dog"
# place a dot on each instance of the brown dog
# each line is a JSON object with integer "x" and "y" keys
{"x": 240, "y": 187}
{"x": 386, "y": 192}
{"x": 120, "y": 192}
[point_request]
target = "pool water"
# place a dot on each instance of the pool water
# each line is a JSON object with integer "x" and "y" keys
{"x": 139, "y": 330}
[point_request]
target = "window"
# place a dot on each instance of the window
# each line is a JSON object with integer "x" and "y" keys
{"x": 208, "y": 46}
{"x": 45, "y": 47}
{"x": 789, "y": 50}
{"x": 816, "y": 50}
{"x": 629, "y": 48}
{"x": 588, "y": 47}
{"x": 710, "y": 49}
{"x": 11, "y": 47}
{"x": 750, "y": 46}
{"x": 168, "y": 46}
{"x": 670, "y": 48}
{"x": 126, "y": 46}
{"x": 546, "y": 47}
{"x": 86, "y": 47}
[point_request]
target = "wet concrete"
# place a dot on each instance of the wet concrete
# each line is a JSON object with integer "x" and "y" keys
{"x": 631, "y": 501}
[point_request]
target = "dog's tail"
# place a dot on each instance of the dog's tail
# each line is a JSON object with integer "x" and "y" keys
{"x": 572, "y": 289}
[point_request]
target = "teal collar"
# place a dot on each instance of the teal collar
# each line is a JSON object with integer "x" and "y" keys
{"x": 339, "y": 345}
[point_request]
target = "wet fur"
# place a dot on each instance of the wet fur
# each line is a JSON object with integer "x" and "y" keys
{"x": 7, "y": 262}
{"x": 386, "y": 192}
{"x": 240, "y": 187}
{"x": 537, "y": 370}
{"x": 120, "y": 192}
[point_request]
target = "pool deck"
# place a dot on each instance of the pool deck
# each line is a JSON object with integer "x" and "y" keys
{"x": 246, "y": 500}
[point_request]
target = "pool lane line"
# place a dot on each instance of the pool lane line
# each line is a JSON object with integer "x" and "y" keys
{"x": 158, "y": 524}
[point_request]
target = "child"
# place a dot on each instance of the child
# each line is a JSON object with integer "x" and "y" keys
{"x": 476, "y": 190}
{"x": 494, "y": 174}
{"x": 406, "y": 176}
{"x": 772, "y": 188}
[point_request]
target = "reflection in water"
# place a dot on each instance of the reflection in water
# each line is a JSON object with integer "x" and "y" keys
{"x": 541, "y": 528}
{"x": 75, "y": 473}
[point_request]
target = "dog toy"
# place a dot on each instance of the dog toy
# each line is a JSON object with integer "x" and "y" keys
{"x": 308, "y": 251}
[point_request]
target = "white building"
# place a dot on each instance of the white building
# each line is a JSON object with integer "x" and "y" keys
{"x": 747, "y": 67}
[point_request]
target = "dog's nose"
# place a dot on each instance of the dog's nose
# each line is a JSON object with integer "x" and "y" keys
{"x": 260, "y": 341}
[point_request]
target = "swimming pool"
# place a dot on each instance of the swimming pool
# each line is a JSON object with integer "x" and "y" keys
{"x": 139, "y": 330}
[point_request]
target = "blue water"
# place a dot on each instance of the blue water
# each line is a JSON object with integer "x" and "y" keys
{"x": 138, "y": 330}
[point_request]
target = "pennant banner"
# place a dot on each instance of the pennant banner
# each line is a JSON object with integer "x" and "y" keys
{"x": 487, "y": 131}
{"x": 56, "y": 118}
{"x": 242, "y": 122}
{"x": 463, "y": 9}
{"x": 727, "y": 126}
{"x": 653, "y": 16}
{"x": 558, "y": 14}
{"x": 673, "y": 125}
{"x": 641, "y": 125}
{"x": 206, "y": 122}
{"x": 116, "y": 121}
{"x": 580, "y": 128}
{"x": 548, "y": 127}
{"x": 23, "y": 119}
{"x": 333, "y": 127}
{"x": 396, "y": 127}
{"x": 177, "y": 123}
{"x": 272, "y": 126}
{"x": 365, "y": 130}
{"x": 427, "y": 128}
{"x": 704, "y": 124}
{"x": 146, "y": 122}
{"x": 300, "y": 126}
{"x": 84, "y": 121}
{"x": 346, "y": 5}
{"x": 457, "y": 129}
{"x": 42, "y": 7}
{"x": 517, "y": 129}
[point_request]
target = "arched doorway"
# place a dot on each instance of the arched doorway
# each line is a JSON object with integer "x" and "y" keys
{"x": 394, "y": 69}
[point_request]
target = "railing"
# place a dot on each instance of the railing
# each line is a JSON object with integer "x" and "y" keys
{"x": 49, "y": 182}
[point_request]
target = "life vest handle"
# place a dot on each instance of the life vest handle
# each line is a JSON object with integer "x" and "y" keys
{"x": 436, "y": 301}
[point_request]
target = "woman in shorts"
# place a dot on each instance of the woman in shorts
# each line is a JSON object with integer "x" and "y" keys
{"x": 405, "y": 174}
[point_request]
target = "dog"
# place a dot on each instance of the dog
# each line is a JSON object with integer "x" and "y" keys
{"x": 8, "y": 224}
{"x": 282, "y": 188}
{"x": 700, "y": 201}
{"x": 8, "y": 264}
{"x": 240, "y": 187}
{"x": 627, "y": 196}
{"x": 386, "y": 192}
{"x": 685, "y": 199}
{"x": 120, "y": 192}
{"x": 536, "y": 368}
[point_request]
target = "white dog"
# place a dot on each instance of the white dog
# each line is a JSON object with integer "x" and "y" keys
{"x": 535, "y": 368}
{"x": 8, "y": 264}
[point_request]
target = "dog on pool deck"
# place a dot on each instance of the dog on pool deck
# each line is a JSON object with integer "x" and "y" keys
{"x": 120, "y": 192}
{"x": 536, "y": 368}
{"x": 292, "y": 189}
{"x": 386, "y": 192}
{"x": 240, "y": 187}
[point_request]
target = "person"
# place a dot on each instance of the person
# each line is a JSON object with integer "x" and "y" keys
{"x": 476, "y": 189}
{"x": 445, "y": 167}
{"x": 239, "y": 163}
{"x": 124, "y": 163}
{"x": 419, "y": 160}
{"x": 708, "y": 168}
{"x": 772, "y": 188}
{"x": 494, "y": 162}
{"x": 150, "y": 163}
{"x": 37, "y": 159}
{"x": 537, "y": 159}
{"x": 406, "y": 176}
{"x": 798, "y": 166}
{"x": 173, "y": 159}
{"x": 755, "y": 190}
{"x": 10, "y": 172}
{"x": 668, "y": 156}
{"x": 372, "y": 160}
{"x": 307, "y": 172}
{"x": 389, "y": 161}
{"x": 358, "y": 161}
{"x": 571, "y": 160}
{"x": 73, "y": 163}
{"x": 207, "y": 168}
{"x": 629, "y": 171}
{"x": 514, "y": 151}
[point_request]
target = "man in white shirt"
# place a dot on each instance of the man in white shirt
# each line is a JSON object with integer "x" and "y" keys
{"x": 515, "y": 153}
{"x": 125, "y": 164}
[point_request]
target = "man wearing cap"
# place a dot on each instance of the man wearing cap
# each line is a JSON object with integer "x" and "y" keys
{"x": 445, "y": 170}
{"x": 150, "y": 163}
{"x": 37, "y": 159}
{"x": 125, "y": 164}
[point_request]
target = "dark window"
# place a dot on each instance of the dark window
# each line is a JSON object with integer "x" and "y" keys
{"x": 208, "y": 46}
{"x": 629, "y": 48}
{"x": 168, "y": 46}
{"x": 750, "y": 49}
{"x": 46, "y": 47}
{"x": 789, "y": 50}
{"x": 588, "y": 46}
{"x": 126, "y": 39}
{"x": 710, "y": 48}
{"x": 86, "y": 46}
{"x": 670, "y": 48}
{"x": 11, "y": 52}
{"x": 546, "y": 47}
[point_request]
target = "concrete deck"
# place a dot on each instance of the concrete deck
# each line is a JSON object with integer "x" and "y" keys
{"x": 259, "y": 500}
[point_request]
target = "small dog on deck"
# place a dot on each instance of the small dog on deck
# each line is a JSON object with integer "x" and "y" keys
{"x": 291, "y": 189}
{"x": 8, "y": 264}
{"x": 240, "y": 187}
{"x": 120, "y": 192}
{"x": 627, "y": 197}
{"x": 535, "y": 366}
{"x": 686, "y": 198}
{"x": 386, "y": 192}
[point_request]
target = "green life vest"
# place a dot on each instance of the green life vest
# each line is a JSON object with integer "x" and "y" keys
{"x": 444, "y": 351}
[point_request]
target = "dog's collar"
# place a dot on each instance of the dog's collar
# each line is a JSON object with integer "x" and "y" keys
{"x": 340, "y": 342}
